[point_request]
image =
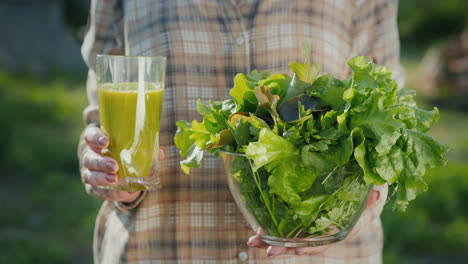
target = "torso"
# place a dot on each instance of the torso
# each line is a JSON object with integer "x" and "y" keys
{"x": 193, "y": 217}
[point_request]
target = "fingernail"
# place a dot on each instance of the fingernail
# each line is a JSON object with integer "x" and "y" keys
{"x": 111, "y": 178}
{"x": 254, "y": 243}
{"x": 103, "y": 141}
{"x": 110, "y": 165}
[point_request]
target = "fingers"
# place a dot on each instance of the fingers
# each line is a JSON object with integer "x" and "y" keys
{"x": 95, "y": 138}
{"x": 273, "y": 251}
{"x": 96, "y": 162}
{"x": 98, "y": 178}
{"x": 98, "y": 170}
{"x": 257, "y": 242}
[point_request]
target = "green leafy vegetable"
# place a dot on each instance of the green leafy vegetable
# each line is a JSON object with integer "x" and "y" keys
{"x": 309, "y": 146}
{"x": 269, "y": 148}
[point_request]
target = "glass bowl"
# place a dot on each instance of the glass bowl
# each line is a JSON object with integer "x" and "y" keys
{"x": 341, "y": 197}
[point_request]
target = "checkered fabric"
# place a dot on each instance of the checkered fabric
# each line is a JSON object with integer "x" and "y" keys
{"x": 193, "y": 218}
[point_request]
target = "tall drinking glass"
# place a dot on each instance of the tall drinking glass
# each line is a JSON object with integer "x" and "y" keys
{"x": 130, "y": 91}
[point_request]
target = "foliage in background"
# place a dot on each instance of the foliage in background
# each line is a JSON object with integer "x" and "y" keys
{"x": 46, "y": 216}
{"x": 75, "y": 15}
{"x": 423, "y": 23}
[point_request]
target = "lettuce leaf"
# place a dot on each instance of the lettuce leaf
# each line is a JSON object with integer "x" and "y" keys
{"x": 289, "y": 178}
{"x": 269, "y": 148}
{"x": 311, "y": 145}
{"x": 188, "y": 149}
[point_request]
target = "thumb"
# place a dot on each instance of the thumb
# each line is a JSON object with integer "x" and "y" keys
{"x": 373, "y": 198}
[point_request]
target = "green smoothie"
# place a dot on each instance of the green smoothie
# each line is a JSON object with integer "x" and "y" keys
{"x": 131, "y": 120}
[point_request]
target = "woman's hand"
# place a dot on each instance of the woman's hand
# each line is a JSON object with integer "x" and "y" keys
{"x": 274, "y": 251}
{"x": 98, "y": 170}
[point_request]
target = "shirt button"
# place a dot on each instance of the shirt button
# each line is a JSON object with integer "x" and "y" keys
{"x": 243, "y": 256}
{"x": 240, "y": 40}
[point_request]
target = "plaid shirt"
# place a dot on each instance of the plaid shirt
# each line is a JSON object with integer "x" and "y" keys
{"x": 193, "y": 218}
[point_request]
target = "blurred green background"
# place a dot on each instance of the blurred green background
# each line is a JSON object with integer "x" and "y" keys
{"x": 46, "y": 216}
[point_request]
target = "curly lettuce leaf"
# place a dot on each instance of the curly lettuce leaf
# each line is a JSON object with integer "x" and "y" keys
{"x": 304, "y": 74}
{"x": 373, "y": 117}
{"x": 267, "y": 100}
{"x": 190, "y": 152}
{"x": 330, "y": 90}
{"x": 321, "y": 157}
{"x": 369, "y": 76}
{"x": 412, "y": 116}
{"x": 393, "y": 147}
{"x": 240, "y": 131}
{"x": 278, "y": 84}
{"x": 243, "y": 93}
{"x": 362, "y": 158}
{"x": 270, "y": 147}
{"x": 289, "y": 178}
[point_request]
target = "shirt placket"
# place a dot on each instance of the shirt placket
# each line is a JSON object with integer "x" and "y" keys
{"x": 240, "y": 38}
{"x": 241, "y": 62}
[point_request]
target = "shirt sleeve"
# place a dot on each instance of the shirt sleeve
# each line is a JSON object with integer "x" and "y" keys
{"x": 104, "y": 36}
{"x": 376, "y": 34}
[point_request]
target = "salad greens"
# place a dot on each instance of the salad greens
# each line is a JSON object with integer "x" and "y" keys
{"x": 312, "y": 145}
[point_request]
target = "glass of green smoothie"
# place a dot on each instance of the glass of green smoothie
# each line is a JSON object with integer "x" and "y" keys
{"x": 130, "y": 91}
